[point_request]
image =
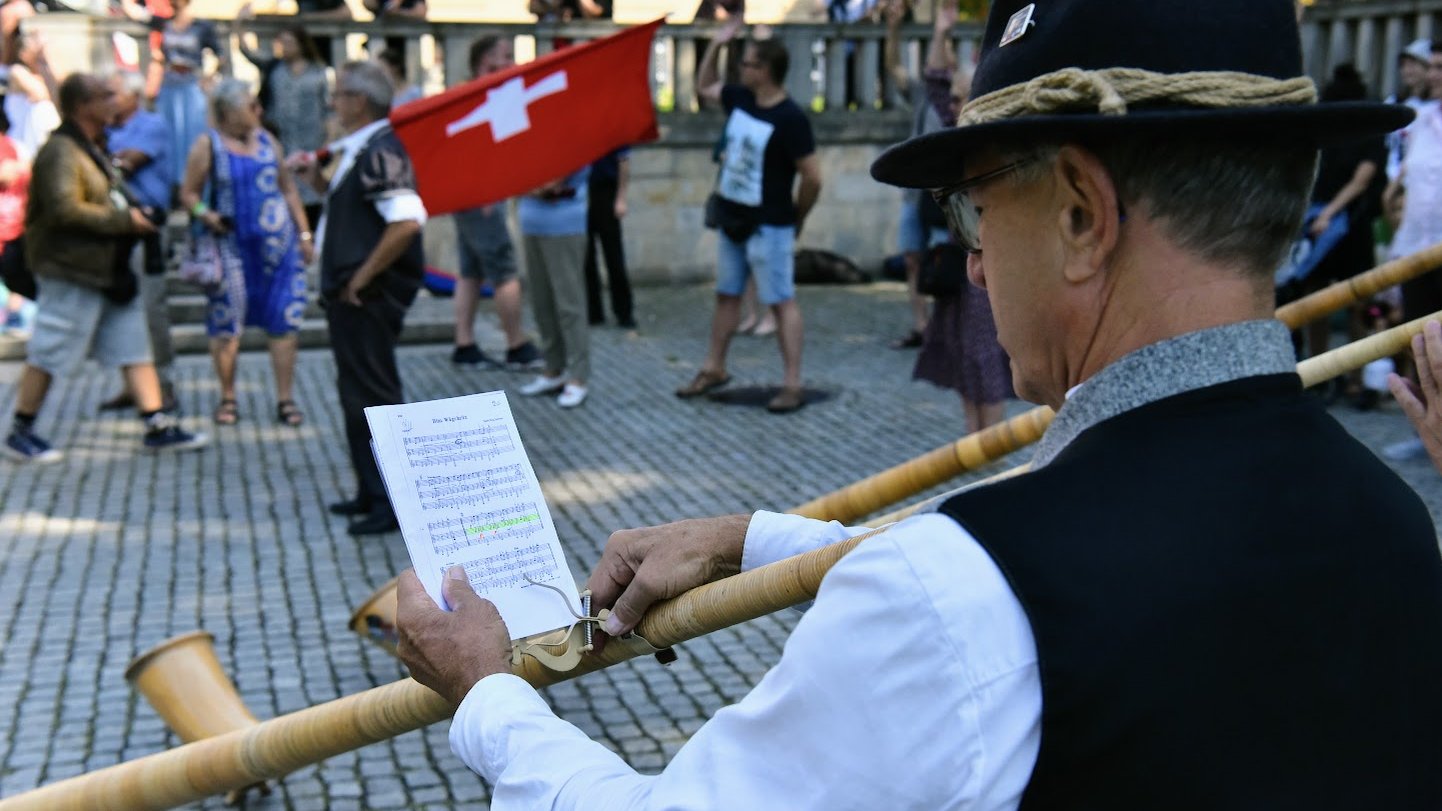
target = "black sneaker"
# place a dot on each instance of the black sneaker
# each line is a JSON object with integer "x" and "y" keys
{"x": 524, "y": 358}
{"x": 471, "y": 355}
{"x": 163, "y": 433}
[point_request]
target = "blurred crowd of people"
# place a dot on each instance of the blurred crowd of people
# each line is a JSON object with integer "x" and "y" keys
{"x": 252, "y": 169}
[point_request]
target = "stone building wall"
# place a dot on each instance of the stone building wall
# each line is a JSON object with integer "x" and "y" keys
{"x": 665, "y": 240}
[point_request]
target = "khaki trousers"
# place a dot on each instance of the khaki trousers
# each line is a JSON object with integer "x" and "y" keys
{"x": 558, "y": 300}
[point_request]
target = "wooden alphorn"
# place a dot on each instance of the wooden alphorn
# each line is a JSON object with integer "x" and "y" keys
{"x": 902, "y": 481}
{"x": 282, "y": 745}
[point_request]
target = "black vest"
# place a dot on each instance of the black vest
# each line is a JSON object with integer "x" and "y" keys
{"x": 353, "y": 226}
{"x": 1236, "y": 606}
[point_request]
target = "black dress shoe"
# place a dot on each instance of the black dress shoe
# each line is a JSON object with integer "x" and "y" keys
{"x": 376, "y": 523}
{"x": 356, "y": 506}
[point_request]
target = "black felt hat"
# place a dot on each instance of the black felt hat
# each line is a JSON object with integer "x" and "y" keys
{"x": 1028, "y": 40}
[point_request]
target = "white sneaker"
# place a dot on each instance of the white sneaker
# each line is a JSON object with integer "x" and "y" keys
{"x": 571, "y": 396}
{"x": 1406, "y": 450}
{"x": 543, "y": 385}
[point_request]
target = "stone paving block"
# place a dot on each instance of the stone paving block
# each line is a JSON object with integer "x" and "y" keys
{"x": 110, "y": 552}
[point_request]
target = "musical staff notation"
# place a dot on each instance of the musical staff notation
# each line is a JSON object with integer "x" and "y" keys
{"x": 453, "y": 447}
{"x": 510, "y": 568}
{"x": 471, "y": 489}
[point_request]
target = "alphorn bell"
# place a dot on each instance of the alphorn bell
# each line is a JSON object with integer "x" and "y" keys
{"x": 914, "y": 476}
{"x": 282, "y": 745}
{"x": 182, "y": 680}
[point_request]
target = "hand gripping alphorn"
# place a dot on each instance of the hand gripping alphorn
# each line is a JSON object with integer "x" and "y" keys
{"x": 914, "y": 476}
{"x": 282, "y": 745}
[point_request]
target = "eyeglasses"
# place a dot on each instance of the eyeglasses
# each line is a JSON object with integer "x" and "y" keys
{"x": 962, "y": 215}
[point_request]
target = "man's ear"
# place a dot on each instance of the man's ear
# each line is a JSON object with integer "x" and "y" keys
{"x": 1089, "y": 218}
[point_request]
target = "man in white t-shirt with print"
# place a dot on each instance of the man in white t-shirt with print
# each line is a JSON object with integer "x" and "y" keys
{"x": 768, "y": 143}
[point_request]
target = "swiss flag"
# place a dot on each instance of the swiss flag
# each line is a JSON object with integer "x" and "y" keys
{"x": 512, "y": 132}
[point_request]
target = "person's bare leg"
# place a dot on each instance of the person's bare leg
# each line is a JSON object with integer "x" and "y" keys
{"x": 789, "y": 335}
{"x": 30, "y": 394}
{"x": 282, "y": 361}
{"x": 919, "y": 314}
{"x": 507, "y": 297}
{"x": 989, "y": 414}
{"x": 468, "y": 294}
{"x": 766, "y": 326}
{"x": 749, "y": 314}
{"x": 723, "y": 326}
{"x": 223, "y": 352}
{"x": 144, "y": 383}
{"x": 973, "y": 415}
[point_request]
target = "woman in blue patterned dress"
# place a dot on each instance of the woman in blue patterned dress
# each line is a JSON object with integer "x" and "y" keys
{"x": 238, "y": 188}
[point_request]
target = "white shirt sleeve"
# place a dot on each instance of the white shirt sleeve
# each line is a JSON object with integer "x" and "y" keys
{"x": 401, "y": 206}
{"x": 776, "y": 536}
{"x": 879, "y": 701}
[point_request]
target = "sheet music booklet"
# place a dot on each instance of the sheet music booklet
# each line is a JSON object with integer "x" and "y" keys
{"x": 465, "y": 494}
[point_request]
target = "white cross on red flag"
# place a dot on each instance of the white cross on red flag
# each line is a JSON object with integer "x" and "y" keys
{"x": 517, "y": 130}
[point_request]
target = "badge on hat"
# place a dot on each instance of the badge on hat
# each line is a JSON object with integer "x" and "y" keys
{"x": 1017, "y": 26}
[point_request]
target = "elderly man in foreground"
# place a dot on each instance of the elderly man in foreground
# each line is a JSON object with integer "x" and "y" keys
{"x": 1156, "y": 616}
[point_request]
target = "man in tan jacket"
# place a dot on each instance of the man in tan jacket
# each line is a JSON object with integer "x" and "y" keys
{"x": 79, "y": 226}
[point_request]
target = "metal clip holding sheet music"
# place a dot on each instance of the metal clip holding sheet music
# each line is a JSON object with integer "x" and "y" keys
{"x": 561, "y": 650}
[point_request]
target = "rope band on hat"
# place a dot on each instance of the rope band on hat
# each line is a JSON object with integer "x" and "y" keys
{"x": 1111, "y": 91}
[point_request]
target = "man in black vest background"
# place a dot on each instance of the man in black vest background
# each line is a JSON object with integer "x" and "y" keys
{"x": 1205, "y": 594}
{"x": 371, "y": 267}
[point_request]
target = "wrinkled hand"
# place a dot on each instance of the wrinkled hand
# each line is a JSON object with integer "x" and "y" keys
{"x": 641, "y": 566}
{"x": 1320, "y": 225}
{"x": 139, "y": 223}
{"x": 449, "y": 651}
{"x": 1422, "y": 401}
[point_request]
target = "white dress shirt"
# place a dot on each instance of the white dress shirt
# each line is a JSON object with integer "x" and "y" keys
{"x": 393, "y": 207}
{"x": 910, "y": 684}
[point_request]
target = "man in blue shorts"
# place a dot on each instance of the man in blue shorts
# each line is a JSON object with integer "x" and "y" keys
{"x": 768, "y": 144}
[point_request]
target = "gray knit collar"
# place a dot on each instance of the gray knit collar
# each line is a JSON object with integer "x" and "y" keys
{"x": 1196, "y": 360}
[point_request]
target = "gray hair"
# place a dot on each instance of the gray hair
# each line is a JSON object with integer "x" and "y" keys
{"x": 371, "y": 82}
{"x": 131, "y": 80}
{"x": 1233, "y": 204}
{"x": 228, "y": 96}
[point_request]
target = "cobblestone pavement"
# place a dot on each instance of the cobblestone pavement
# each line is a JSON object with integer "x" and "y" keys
{"x": 111, "y": 551}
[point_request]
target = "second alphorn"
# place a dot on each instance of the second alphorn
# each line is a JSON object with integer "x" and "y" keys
{"x": 282, "y": 745}
{"x": 917, "y": 475}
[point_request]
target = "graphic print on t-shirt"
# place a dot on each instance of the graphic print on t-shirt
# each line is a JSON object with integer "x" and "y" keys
{"x": 744, "y": 158}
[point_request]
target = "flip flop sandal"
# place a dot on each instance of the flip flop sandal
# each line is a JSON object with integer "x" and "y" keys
{"x": 226, "y": 413}
{"x": 286, "y": 413}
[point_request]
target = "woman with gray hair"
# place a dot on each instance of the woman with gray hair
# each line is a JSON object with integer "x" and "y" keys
{"x": 238, "y": 189}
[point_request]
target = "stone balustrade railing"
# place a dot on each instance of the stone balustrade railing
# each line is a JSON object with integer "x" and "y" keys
{"x": 1368, "y": 33}
{"x": 836, "y": 70}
